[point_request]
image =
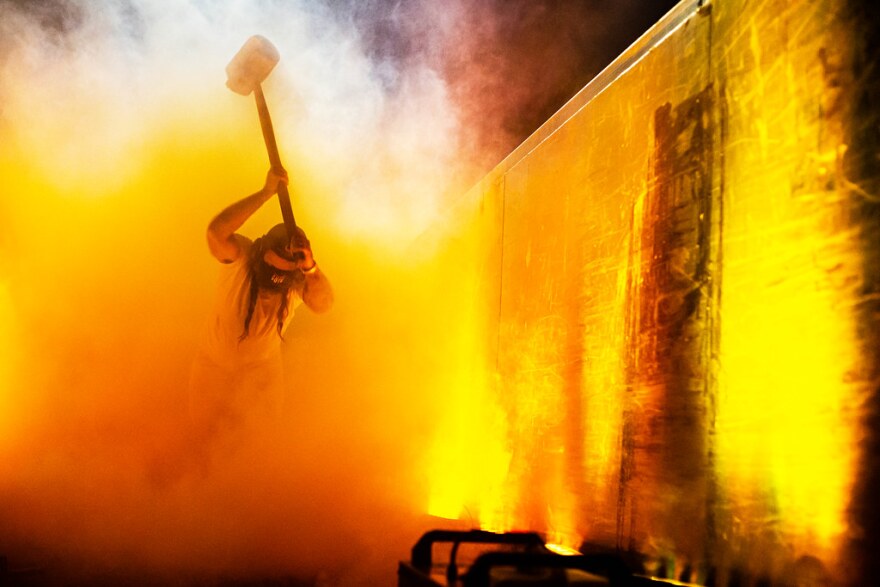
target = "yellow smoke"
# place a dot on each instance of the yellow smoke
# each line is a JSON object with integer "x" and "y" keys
{"x": 120, "y": 142}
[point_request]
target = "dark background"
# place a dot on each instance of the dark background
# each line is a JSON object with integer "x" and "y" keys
{"x": 509, "y": 63}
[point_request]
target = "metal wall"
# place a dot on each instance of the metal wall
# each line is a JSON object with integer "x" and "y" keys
{"x": 675, "y": 287}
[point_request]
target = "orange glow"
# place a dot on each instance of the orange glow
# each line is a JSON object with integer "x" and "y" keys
{"x": 470, "y": 459}
{"x": 560, "y": 549}
{"x": 8, "y": 337}
{"x": 788, "y": 417}
{"x": 495, "y": 359}
{"x": 469, "y": 462}
{"x": 676, "y": 351}
{"x": 465, "y": 460}
{"x": 117, "y": 150}
{"x": 786, "y": 424}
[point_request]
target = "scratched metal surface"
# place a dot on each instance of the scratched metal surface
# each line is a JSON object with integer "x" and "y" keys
{"x": 683, "y": 333}
{"x": 599, "y": 223}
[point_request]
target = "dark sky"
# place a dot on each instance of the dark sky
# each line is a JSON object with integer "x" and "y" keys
{"x": 522, "y": 58}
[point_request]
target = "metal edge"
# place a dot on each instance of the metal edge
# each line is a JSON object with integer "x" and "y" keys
{"x": 641, "y": 47}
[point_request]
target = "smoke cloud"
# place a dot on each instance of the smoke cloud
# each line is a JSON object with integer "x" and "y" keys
{"x": 119, "y": 143}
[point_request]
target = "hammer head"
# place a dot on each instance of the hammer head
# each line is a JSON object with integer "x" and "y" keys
{"x": 251, "y": 65}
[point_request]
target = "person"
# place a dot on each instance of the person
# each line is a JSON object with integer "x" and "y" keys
{"x": 237, "y": 374}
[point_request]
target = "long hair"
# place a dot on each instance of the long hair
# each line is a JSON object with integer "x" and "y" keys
{"x": 254, "y": 257}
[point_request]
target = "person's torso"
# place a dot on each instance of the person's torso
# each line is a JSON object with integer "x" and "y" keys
{"x": 223, "y": 339}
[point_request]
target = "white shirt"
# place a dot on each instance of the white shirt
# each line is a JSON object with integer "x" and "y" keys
{"x": 220, "y": 341}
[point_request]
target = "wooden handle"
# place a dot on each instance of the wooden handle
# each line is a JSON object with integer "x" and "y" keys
{"x": 275, "y": 161}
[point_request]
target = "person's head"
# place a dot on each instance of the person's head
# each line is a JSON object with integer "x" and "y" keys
{"x": 272, "y": 267}
{"x": 272, "y": 263}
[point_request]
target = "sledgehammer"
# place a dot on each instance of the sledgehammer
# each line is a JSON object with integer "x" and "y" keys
{"x": 251, "y": 65}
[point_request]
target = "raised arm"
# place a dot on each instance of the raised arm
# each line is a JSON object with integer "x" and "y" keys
{"x": 221, "y": 229}
{"x": 317, "y": 293}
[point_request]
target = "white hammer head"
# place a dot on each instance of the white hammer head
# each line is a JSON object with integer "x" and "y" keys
{"x": 251, "y": 65}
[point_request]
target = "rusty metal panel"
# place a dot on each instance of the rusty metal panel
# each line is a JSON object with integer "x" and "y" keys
{"x": 687, "y": 342}
{"x": 792, "y": 361}
{"x": 576, "y": 276}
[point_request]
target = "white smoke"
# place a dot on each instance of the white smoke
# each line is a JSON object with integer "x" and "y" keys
{"x": 118, "y": 142}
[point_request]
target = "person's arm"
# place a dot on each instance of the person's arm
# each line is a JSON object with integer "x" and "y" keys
{"x": 317, "y": 292}
{"x": 221, "y": 230}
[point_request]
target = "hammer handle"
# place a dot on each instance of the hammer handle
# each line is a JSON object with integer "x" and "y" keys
{"x": 275, "y": 160}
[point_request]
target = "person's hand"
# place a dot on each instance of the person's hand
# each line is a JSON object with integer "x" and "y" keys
{"x": 274, "y": 178}
{"x": 301, "y": 250}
